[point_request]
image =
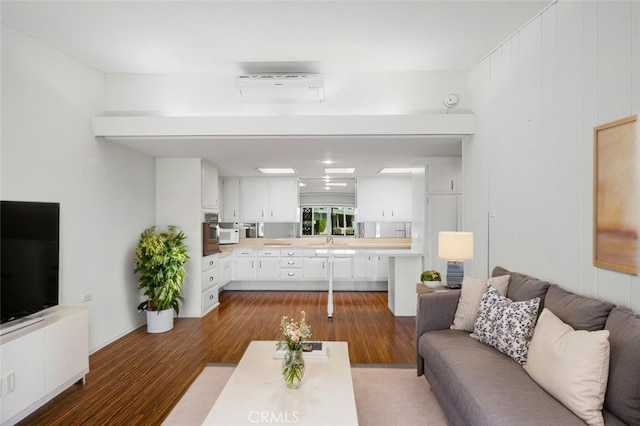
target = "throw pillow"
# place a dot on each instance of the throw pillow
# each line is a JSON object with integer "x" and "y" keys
{"x": 470, "y": 296}
{"x": 572, "y": 365}
{"x": 506, "y": 325}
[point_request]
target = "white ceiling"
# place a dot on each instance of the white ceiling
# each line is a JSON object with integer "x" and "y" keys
{"x": 277, "y": 36}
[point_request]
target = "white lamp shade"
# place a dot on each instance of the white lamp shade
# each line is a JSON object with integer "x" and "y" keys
{"x": 455, "y": 245}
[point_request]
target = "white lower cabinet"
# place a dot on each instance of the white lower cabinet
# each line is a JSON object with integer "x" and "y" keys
{"x": 315, "y": 268}
{"x": 209, "y": 282}
{"x": 42, "y": 360}
{"x": 225, "y": 269}
{"x": 343, "y": 268}
{"x": 246, "y": 264}
{"x": 371, "y": 267}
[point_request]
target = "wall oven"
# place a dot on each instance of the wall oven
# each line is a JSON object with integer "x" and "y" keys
{"x": 210, "y": 234}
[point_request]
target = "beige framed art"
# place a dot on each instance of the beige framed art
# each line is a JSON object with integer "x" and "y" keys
{"x": 616, "y": 193}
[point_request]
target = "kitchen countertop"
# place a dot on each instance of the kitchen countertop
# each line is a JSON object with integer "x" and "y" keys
{"x": 390, "y": 246}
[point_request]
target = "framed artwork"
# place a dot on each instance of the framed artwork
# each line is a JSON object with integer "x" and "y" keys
{"x": 616, "y": 196}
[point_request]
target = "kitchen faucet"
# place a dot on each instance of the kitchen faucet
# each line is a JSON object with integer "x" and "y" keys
{"x": 329, "y": 239}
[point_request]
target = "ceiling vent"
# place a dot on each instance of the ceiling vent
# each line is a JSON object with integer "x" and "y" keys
{"x": 280, "y": 88}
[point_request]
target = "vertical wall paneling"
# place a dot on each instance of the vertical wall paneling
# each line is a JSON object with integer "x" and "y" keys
{"x": 528, "y": 175}
{"x": 544, "y": 90}
{"x": 569, "y": 147}
{"x": 589, "y": 107}
{"x": 549, "y": 141}
{"x": 614, "y": 94}
{"x": 635, "y": 109}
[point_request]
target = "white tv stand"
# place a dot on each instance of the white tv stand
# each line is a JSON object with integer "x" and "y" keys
{"x": 42, "y": 359}
{"x": 19, "y": 323}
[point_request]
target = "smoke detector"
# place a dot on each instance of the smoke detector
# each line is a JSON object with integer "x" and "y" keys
{"x": 450, "y": 101}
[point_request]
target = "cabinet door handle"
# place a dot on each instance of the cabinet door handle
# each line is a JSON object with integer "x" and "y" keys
{"x": 262, "y": 213}
{"x": 210, "y": 278}
{"x": 452, "y": 185}
{"x": 291, "y": 262}
{"x": 322, "y": 265}
{"x": 291, "y": 274}
{"x": 271, "y": 213}
{"x": 252, "y": 265}
{"x": 211, "y": 263}
{"x": 211, "y": 297}
{"x": 290, "y": 253}
{"x": 382, "y": 213}
{"x": 234, "y": 212}
{"x": 260, "y": 264}
{"x": 392, "y": 214}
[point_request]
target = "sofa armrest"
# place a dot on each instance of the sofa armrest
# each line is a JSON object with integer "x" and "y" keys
{"x": 435, "y": 311}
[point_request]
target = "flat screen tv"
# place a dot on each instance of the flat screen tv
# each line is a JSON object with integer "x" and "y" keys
{"x": 30, "y": 234}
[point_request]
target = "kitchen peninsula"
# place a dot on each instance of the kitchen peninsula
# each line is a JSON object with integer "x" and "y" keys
{"x": 319, "y": 264}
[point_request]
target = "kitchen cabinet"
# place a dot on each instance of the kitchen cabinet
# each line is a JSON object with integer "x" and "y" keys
{"x": 209, "y": 186}
{"x": 226, "y": 271}
{"x": 268, "y": 199}
{"x": 384, "y": 199}
{"x": 210, "y": 280}
{"x": 315, "y": 268}
{"x": 268, "y": 264}
{"x": 443, "y": 214}
{"x": 230, "y": 199}
{"x": 291, "y": 264}
{"x": 372, "y": 267}
{"x": 246, "y": 264}
{"x": 343, "y": 268}
{"x": 444, "y": 175}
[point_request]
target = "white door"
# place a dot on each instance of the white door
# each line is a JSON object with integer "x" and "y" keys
{"x": 254, "y": 199}
{"x": 230, "y": 199}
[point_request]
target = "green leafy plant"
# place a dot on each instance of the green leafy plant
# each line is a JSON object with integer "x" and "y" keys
{"x": 159, "y": 261}
{"x": 430, "y": 276}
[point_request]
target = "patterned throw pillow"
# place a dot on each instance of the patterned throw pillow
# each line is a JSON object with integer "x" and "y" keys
{"x": 506, "y": 325}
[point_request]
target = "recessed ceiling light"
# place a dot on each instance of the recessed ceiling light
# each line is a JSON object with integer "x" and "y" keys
{"x": 327, "y": 162}
{"x": 336, "y": 184}
{"x": 340, "y": 170}
{"x": 396, "y": 170}
{"x": 302, "y": 184}
{"x": 327, "y": 188}
{"x": 288, "y": 171}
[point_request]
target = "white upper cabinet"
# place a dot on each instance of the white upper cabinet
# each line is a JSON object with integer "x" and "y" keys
{"x": 209, "y": 186}
{"x": 269, "y": 199}
{"x": 230, "y": 199}
{"x": 384, "y": 199}
{"x": 444, "y": 175}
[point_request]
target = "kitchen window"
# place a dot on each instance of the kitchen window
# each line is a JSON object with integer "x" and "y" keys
{"x": 328, "y": 220}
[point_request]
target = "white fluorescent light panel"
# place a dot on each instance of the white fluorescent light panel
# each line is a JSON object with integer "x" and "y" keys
{"x": 396, "y": 170}
{"x": 339, "y": 170}
{"x": 282, "y": 171}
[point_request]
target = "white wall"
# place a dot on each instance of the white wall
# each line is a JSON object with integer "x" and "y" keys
{"x": 106, "y": 191}
{"x": 215, "y": 94}
{"x": 538, "y": 97}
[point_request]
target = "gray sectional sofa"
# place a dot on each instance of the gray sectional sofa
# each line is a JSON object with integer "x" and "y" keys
{"x": 477, "y": 385}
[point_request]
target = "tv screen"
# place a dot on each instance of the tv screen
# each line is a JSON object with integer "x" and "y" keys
{"x": 30, "y": 257}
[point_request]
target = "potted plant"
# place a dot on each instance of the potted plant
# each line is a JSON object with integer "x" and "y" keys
{"x": 159, "y": 261}
{"x": 431, "y": 278}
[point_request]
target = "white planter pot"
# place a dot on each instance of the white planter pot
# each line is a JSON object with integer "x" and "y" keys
{"x": 160, "y": 321}
{"x": 432, "y": 284}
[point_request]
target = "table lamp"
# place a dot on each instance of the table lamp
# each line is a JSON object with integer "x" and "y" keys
{"x": 455, "y": 247}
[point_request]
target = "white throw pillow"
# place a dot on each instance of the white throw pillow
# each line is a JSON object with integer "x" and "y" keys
{"x": 470, "y": 296}
{"x": 572, "y": 365}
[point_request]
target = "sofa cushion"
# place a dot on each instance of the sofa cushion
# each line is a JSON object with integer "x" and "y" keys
{"x": 470, "y": 296}
{"x": 623, "y": 392}
{"x": 506, "y": 325}
{"x": 486, "y": 387}
{"x": 523, "y": 287}
{"x": 571, "y": 365}
{"x": 581, "y": 313}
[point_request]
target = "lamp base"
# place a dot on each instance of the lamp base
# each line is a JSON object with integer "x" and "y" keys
{"x": 455, "y": 273}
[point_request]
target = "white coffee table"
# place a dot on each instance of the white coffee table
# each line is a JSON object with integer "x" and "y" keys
{"x": 256, "y": 392}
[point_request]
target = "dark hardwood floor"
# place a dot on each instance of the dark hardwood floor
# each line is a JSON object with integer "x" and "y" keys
{"x": 139, "y": 378}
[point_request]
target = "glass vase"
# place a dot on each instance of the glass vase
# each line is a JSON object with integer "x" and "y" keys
{"x": 293, "y": 368}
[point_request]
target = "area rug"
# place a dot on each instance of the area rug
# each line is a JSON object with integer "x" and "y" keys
{"x": 384, "y": 396}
